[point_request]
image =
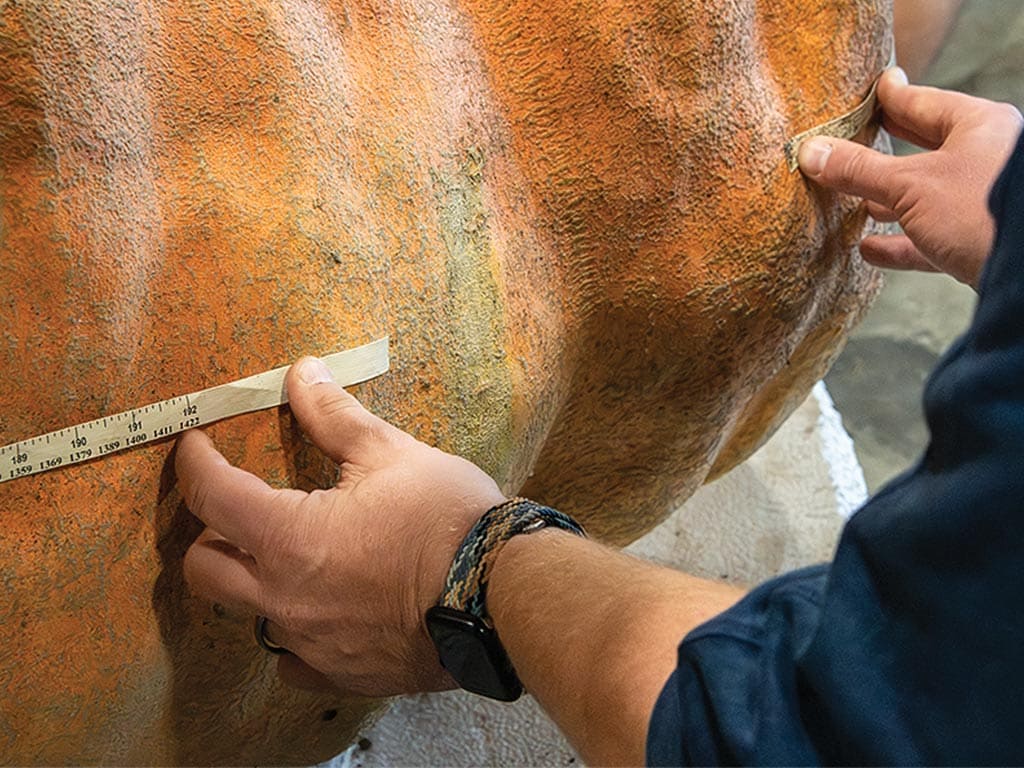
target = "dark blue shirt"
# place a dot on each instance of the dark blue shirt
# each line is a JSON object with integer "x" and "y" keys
{"x": 909, "y": 647}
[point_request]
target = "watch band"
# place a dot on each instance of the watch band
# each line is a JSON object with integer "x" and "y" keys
{"x": 465, "y": 638}
{"x": 465, "y": 588}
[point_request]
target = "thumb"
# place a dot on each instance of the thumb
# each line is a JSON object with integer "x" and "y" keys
{"x": 851, "y": 168}
{"x": 334, "y": 420}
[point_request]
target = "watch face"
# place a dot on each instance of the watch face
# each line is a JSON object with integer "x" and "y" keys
{"x": 472, "y": 654}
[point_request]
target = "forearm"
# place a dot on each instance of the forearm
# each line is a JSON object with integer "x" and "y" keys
{"x": 593, "y": 634}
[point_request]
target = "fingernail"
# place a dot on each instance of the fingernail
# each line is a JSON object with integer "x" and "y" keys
{"x": 313, "y": 370}
{"x": 813, "y": 155}
{"x": 899, "y": 75}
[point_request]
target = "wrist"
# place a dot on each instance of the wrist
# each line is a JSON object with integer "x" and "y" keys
{"x": 460, "y": 625}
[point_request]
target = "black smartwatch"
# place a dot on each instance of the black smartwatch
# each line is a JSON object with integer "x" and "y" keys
{"x": 462, "y": 631}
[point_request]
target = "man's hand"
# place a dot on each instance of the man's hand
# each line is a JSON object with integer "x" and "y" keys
{"x": 939, "y": 197}
{"x": 344, "y": 575}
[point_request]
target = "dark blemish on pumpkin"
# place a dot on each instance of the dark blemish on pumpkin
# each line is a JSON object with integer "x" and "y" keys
{"x": 219, "y": 611}
{"x": 328, "y": 715}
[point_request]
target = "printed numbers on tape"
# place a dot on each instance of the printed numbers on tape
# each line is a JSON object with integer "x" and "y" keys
{"x": 110, "y": 434}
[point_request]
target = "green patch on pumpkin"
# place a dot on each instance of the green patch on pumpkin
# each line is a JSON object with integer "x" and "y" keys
{"x": 480, "y": 384}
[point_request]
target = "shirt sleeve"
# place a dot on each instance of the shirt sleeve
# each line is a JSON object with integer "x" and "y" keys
{"x": 735, "y": 678}
{"x": 906, "y": 649}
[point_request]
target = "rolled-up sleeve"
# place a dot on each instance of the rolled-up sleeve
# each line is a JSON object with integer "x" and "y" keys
{"x": 736, "y": 678}
{"x": 907, "y": 648}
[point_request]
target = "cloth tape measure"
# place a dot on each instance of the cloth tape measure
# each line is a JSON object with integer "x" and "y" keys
{"x": 846, "y": 126}
{"x": 138, "y": 426}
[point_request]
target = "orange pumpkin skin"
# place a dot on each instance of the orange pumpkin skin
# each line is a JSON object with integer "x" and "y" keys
{"x": 574, "y": 220}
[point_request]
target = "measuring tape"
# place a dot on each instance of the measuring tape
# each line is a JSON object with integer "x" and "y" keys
{"x": 138, "y": 426}
{"x": 846, "y": 126}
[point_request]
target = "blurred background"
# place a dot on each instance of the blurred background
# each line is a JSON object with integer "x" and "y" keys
{"x": 974, "y": 46}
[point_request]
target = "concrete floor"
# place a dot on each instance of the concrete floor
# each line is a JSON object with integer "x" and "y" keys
{"x": 877, "y": 382}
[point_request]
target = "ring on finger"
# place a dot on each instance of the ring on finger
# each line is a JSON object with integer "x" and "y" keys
{"x": 264, "y": 642}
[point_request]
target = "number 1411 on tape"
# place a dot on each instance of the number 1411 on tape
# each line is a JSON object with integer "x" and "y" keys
{"x": 109, "y": 434}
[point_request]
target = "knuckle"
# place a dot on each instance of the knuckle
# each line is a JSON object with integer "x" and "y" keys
{"x": 850, "y": 168}
{"x": 196, "y": 495}
{"x": 347, "y": 413}
{"x": 278, "y": 536}
{"x": 914, "y": 101}
{"x": 336, "y": 403}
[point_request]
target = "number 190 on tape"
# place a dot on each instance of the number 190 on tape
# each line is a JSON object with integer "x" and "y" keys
{"x": 110, "y": 434}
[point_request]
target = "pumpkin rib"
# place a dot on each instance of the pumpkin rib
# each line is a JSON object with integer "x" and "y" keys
{"x": 574, "y": 222}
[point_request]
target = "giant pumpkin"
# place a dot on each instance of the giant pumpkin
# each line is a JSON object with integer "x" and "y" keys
{"x": 574, "y": 219}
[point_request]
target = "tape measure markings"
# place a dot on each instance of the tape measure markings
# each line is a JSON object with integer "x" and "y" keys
{"x": 846, "y": 126}
{"x": 138, "y": 426}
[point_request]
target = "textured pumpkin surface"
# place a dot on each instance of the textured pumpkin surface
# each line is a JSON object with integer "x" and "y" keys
{"x": 573, "y": 218}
